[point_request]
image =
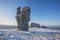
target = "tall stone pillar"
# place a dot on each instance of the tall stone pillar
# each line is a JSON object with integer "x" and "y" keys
{"x": 23, "y": 17}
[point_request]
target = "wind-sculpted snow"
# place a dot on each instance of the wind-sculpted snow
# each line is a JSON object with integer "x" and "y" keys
{"x": 30, "y": 35}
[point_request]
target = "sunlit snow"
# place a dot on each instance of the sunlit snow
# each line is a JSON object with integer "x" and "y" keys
{"x": 32, "y": 34}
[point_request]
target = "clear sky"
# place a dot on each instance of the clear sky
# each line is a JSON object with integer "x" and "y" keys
{"x": 44, "y": 12}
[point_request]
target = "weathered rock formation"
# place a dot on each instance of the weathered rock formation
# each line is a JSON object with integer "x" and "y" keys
{"x": 35, "y": 25}
{"x": 23, "y": 17}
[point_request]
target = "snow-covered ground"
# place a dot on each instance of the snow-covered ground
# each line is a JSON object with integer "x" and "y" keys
{"x": 32, "y": 34}
{"x": 43, "y": 30}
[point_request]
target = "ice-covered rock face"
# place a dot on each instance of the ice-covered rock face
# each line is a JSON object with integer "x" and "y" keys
{"x": 23, "y": 17}
{"x": 31, "y": 35}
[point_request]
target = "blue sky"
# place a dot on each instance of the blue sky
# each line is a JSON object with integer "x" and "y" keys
{"x": 44, "y": 12}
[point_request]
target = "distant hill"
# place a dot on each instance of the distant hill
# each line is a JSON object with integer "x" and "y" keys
{"x": 14, "y": 27}
{"x": 7, "y": 27}
{"x": 54, "y": 27}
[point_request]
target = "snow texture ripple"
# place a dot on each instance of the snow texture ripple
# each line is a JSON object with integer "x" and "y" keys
{"x": 29, "y": 35}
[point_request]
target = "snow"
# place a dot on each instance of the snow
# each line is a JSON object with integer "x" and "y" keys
{"x": 43, "y": 30}
{"x": 32, "y": 34}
